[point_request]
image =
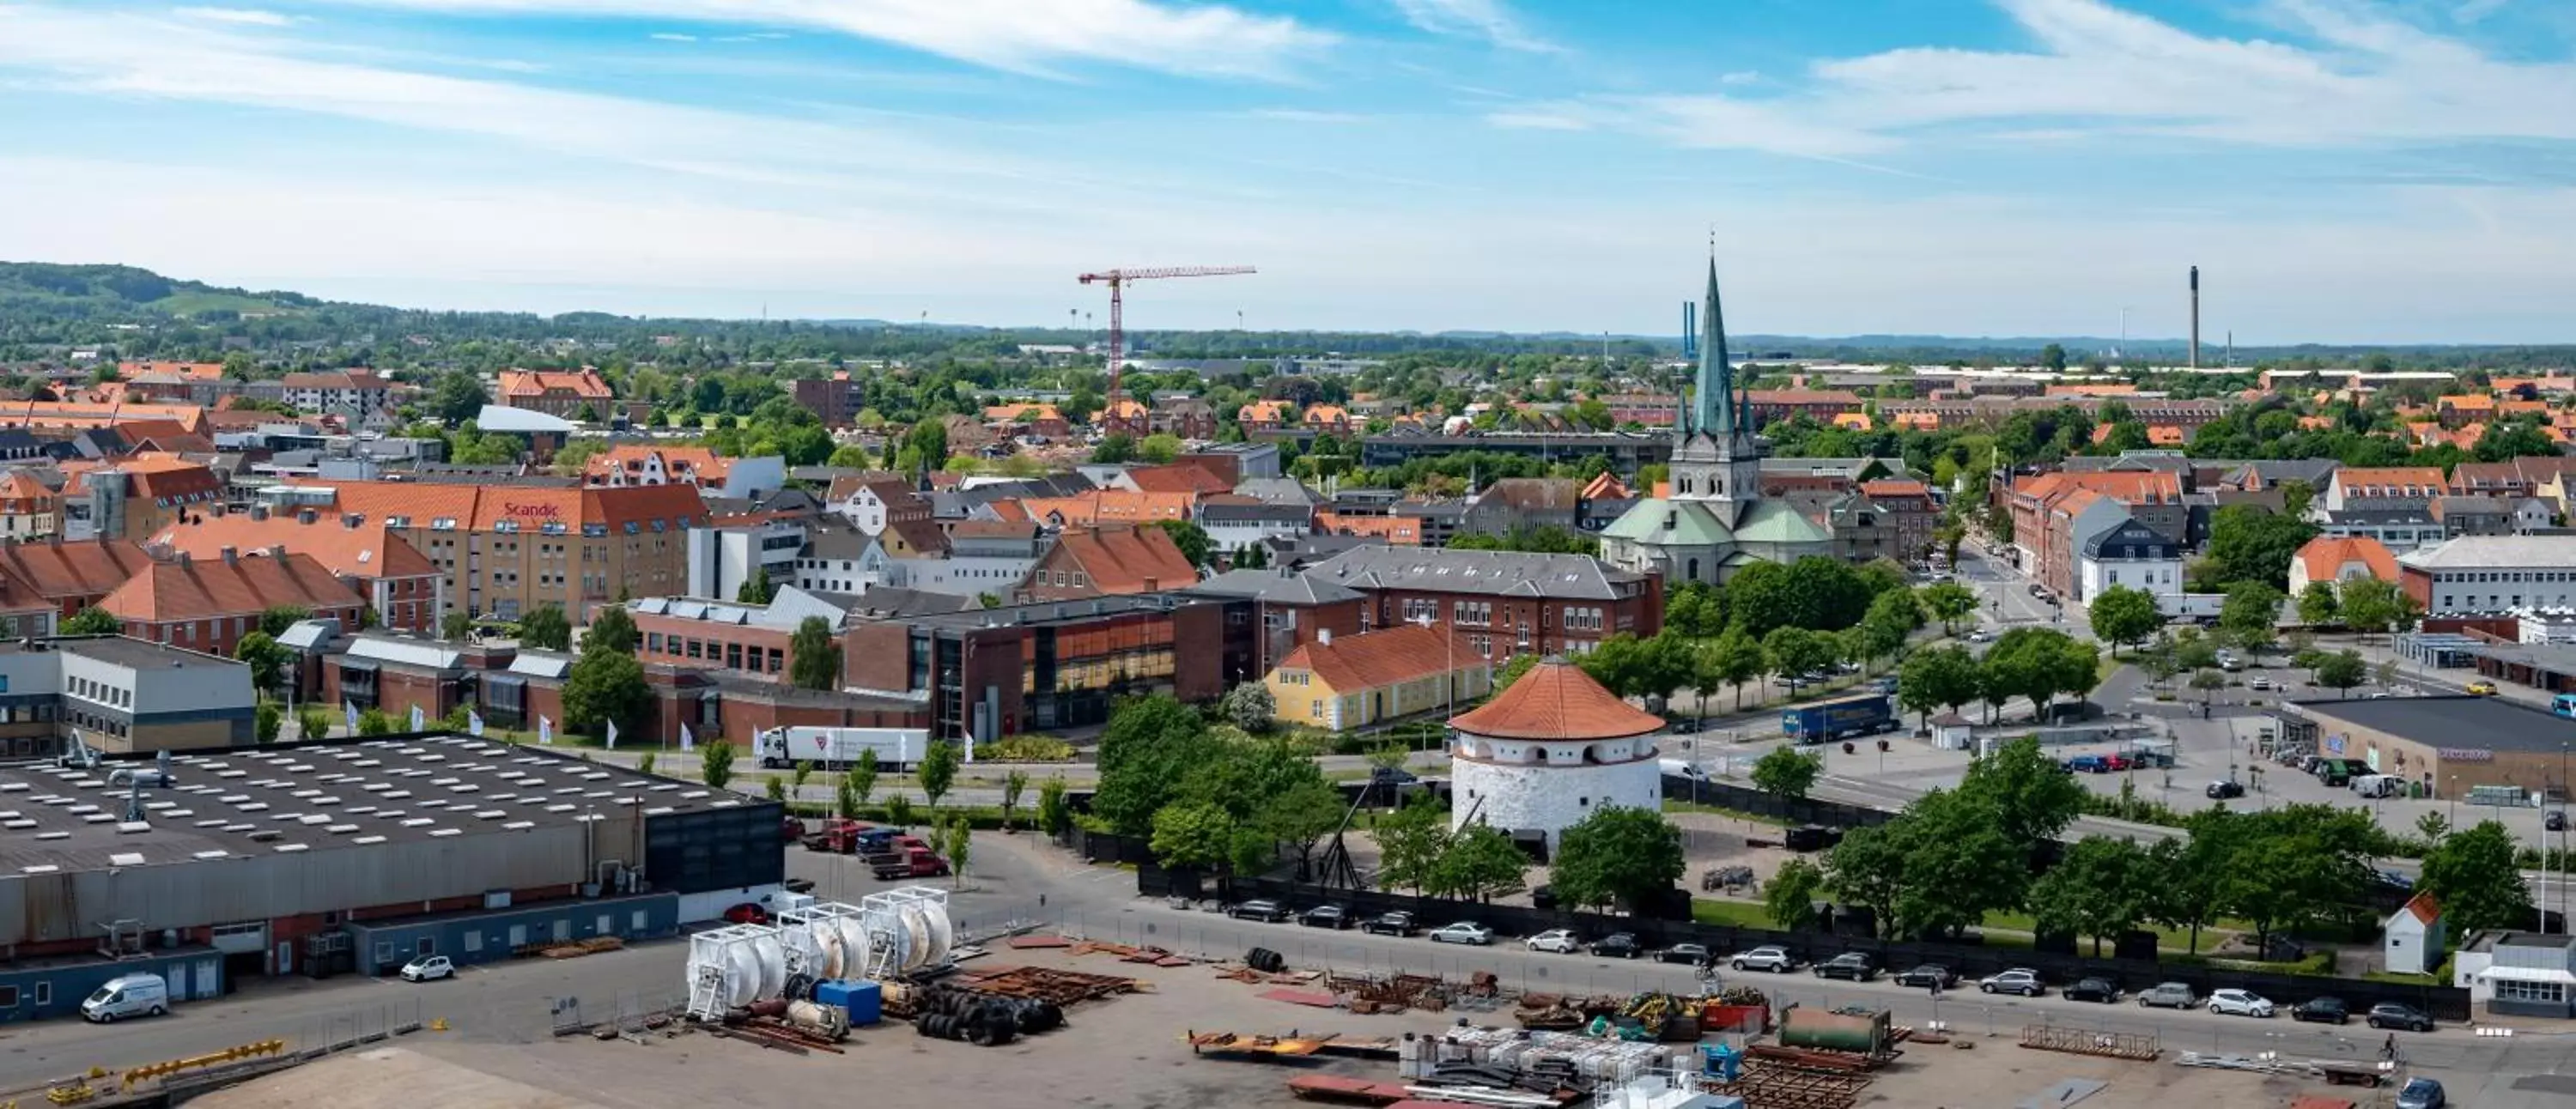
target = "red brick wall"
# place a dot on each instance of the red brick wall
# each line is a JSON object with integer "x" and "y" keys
{"x": 673, "y": 633}
{"x": 878, "y": 656}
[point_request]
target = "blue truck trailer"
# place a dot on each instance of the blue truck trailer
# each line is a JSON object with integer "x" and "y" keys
{"x": 1864, "y": 714}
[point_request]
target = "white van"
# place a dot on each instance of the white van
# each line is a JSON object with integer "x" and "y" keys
{"x": 2378, "y": 785}
{"x": 1680, "y": 768}
{"x": 127, "y": 995}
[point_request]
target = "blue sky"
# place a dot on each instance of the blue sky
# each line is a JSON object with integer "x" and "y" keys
{"x": 2342, "y": 170}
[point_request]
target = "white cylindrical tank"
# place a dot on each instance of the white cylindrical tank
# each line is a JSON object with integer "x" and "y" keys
{"x": 770, "y": 961}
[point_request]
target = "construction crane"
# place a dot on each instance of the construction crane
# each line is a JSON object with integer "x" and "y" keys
{"x": 1117, "y": 281}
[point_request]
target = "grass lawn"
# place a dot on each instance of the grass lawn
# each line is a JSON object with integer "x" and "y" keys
{"x": 2167, "y": 939}
{"x": 1741, "y": 914}
{"x": 2001, "y": 929}
{"x": 1672, "y": 805}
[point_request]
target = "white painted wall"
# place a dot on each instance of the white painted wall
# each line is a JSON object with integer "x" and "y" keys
{"x": 1549, "y": 798}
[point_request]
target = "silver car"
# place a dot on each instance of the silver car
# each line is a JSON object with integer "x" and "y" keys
{"x": 2243, "y": 1003}
{"x": 2020, "y": 980}
{"x": 1770, "y": 957}
{"x": 2169, "y": 995}
{"x": 1463, "y": 932}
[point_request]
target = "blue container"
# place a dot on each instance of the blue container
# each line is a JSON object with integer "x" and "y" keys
{"x": 864, "y": 1001}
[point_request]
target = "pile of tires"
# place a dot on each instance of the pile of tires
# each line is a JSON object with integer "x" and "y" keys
{"x": 983, "y": 1021}
{"x": 1265, "y": 960}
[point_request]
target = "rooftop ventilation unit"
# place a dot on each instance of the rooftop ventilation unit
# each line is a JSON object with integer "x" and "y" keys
{"x": 519, "y": 825}
{"x": 368, "y": 839}
{"x": 125, "y": 858}
{"x": 445, "y": 832}
{"x": 285, "y": 848}
{"x": 216, "y": 853}
{"x": 133, "y": 827}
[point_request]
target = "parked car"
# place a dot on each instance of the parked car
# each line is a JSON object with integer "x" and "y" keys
{"x": 2169, "y": 995}
{"x": 1392, "y": 776}
{"x": 2259, "y": 684}
{"x": 1770, "y": 957}
{"x": 1981, "y": 635}
{"x": 2422, "y": 1093}
{"x": 1928, "y": 976}
{"x": 2321, "y": 1010}
{"x": 428, "y": 967}
{"x": 2389, "y": 1014}
{"x": 127, "y": 995}
{"x": 1850, "y": 964}
{"x": 1389, "y": 924}
{"x": 1325, "y": 916}
{"x": 2089, "y": 764}
{"x": 2482, "y": 689}
{"x": 2092, "y": 989}
{"x": 2241, "y": 1003}
{"x": 1558, "y": 940}
{"x": 1268, "y": 912}
{"x": 1618, "y": 945}
{"x": 2020, "y": 980}
{"x": 2116, "y": 762}
{"x": 746, "y": 913}
{"x": 2220, "y": 791}
{"x": 1694, "y": 954}
{"x": 1465, "y": 931}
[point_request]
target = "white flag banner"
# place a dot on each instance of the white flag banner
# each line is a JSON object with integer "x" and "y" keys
{"x": 612, "y": 735}
{"x": 970, "y": 748}
{"x": 349, "y": 709}
{"x": 474, "y": 723}
{"x": 545, "y": 730}
{"x": 419, "y": 723}
{"x": 687, "y": 742}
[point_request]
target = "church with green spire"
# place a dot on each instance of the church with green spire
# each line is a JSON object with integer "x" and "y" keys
{"x": 1713, "y": 520}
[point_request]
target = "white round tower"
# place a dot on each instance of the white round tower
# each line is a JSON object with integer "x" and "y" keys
{"x": 1552, "y": 749}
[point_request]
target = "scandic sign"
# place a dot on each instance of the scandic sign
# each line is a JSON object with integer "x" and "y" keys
{"x": 532, "y": 511}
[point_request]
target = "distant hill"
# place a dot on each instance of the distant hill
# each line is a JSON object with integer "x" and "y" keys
{"x": 127, "y": 290}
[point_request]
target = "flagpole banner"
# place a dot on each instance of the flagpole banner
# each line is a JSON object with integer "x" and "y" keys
{"x": 545, "y": 730}
{"x": 612, "y": 735}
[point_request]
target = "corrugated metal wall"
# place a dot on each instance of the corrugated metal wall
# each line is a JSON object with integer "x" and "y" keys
{"x": 37, "y": 908}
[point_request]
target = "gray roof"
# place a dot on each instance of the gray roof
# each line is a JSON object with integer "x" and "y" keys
{"x": 1279, "y": 490}
{"x": 258, "y": 801}
{"x": 137, "y": 654}
{"x": 2372, "y": 517}
{"x": 1497, "y": 573}
{"x": 1280, "y": 586}
{"x": 2452, "y": 722}
{"x": 837, "y": 543}
{"x": 2475, "y": 552}
{"x": 1216, "y": 512}
{"x": 886, "y": 602}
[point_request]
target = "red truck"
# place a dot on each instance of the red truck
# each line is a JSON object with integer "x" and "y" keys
{"x": 910, "y": 858}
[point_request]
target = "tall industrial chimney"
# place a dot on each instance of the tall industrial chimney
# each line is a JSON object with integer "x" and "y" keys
{"x": 2195, "y": 317}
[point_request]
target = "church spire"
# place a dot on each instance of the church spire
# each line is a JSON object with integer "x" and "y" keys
{"x": 1713, "y": 407}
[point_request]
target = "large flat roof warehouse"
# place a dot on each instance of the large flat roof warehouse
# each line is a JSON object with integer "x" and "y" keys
{"x": 2490, "y": 722}
{"x": 319, "y": 797}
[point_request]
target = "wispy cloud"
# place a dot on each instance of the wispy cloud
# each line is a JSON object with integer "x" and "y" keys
{"x": 2362, "y": 80}
{"x": 248, "y": 16}
{"x": 1018, "y": 35}
{"x": 1486, "y": 19}
{"x": 671, "y": 36}
{"x": 1306, "y": 115}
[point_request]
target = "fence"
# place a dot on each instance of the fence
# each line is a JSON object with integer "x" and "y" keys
{"x": 1969, "y": 960}
{"x": 1803, "y": 810}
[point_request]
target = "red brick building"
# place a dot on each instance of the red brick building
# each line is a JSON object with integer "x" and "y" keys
{"x": 1108, "y": 560}
{"x": 1501, "y": 603}
{"x": 1292, "y": 609}
{"x": 407, "y": 592}
{"x": 838, "y": 399}
{"x": 1917, "y": 514}
{"x": 564, "y": 393}
{"x": 996, "y": 672}
{"x": 209, "y": 604}
{"x": 68, "y": 576}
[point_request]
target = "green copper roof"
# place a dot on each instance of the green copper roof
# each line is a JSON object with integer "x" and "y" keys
{"x": 1693, "y": 524}
{"x": 1774, "y": 522}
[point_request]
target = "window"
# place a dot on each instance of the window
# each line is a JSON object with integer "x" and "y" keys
{"x": 44, "y": 993}
{"x": 2507, "y": 989}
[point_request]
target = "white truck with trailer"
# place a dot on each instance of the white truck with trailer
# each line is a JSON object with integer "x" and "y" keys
{"x": 839, "y": 748}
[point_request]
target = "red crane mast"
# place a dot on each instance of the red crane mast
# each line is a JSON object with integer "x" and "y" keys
{"x": 1117, "y": 281}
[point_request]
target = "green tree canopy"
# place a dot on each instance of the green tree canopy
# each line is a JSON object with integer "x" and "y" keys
{"x": 546, "y": 629}
{"x": 938, "y": 770}
{"x": 1787, "y": 773}
{"x": 2122, "y": 615}
{"x": 607, "y": 687}
{"x": 266, "y": 659}
{"x": 1791, "y": 651}
{"x": 2473, "y": 875}
{"x": 613, "y": 629}
{"x": 93, "y": 621}
{"x": 2102, "y": 888}
{"x": 814, "y": 656}
{"x": 1190, "y": 538}
{"x": 1617, "y": 855}
{"x": 2318, "y": 604}
{"x": 2247, "y": 543}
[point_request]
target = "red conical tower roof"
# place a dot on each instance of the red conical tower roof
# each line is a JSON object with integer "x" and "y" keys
{"x": 1557, "y": 701}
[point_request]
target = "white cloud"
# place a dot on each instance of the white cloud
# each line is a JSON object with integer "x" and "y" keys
{"x": 2364, "y": 81}
{"x": 1306, "y": 115}
{"x": 1739, "y": 77}
{"x": 671, "y": 36}
{"x": 1486, "y": 19}
{"x": 248, "y": 16}
{"x": 1021, "y": 35}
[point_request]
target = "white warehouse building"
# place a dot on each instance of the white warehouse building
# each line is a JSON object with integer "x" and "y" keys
{"x": 1549, "y": 751}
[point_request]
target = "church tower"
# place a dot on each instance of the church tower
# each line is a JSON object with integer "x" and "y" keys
{"x": 1716, "y": 457}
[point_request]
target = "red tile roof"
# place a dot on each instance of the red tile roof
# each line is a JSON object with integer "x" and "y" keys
{"x": 701, "y": 463}
{"x": 200, "y": 588}
{"x": 80, "y": 569}
{"x": 2325, "y": 556}
{"x": 537, "y": 384}
{"x": 1111, "y": 506}
{"x": 1896, "y": 488}
{"x": 1128, "y": 559}
{"x": 1176, "y": 479}
{"x": 1373, "y": 660}
{"x": 365, "y": 550}
{"x": 478, "y": 508}
{"x": 2424, "y": 909}
{"x": 201, "y": 371}
{"x": 1557, "y": 701}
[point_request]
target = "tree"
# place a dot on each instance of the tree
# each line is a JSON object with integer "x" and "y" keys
{"x": 455, "y": 626}
{"x": 2032, "y": 798}
{"x": 93, "y": 621}
{"x": 1617, "y": 855}
{"x": 1150, "y": 745}
{"x": 898, "y": 808}
{"x": 277, "y": 618}
{"x": 1696, "y": 609}
{"x": 1892, "y": 616}
{"x": 1114, "y": 449}
{"x": 938, "y": 769}
{"x": 612, "y": 630}
{"x": 1787, "y": 773}
{"x": 845, "y": 800}
{"x": 269, "y": 720}
{"x": 267, "y": 660}
{"x": 961, "y": 847}
{"x": 605, "y": 687}
{"x": 814, "y": 657}
{"x": 1252, "y": 556}
{"x": 2472, "y": 874}
{"x": 861, "y": 779}
{"x": 1299, "y": 817}
{"x": 804, "y": 769}
{"x": 457, "y": 396}
{"x": 2053, "y": 358}
{"x": 1791, "y": 652}
{"x": 2102, "y": 887}
{"x": 1868, "y": 869}
{"x": 1512, "y": 669}
{"x": 2318, "y": 604}
{"x": 374, "y": 722}
{"x": 774, "y": 788}
{"x": 645, "y": 765}
{"x": 1192, "y": 836}
{"x": 1477, "y": 863}
{"x": 2341, "y": 671}
{"x": 312, "y": 722}
{"x": 2037, "y": 663}
{"x": 715, "y": 763}
{"x": 1159, "y": 448}
{"x": 756, "y": 589}
{"x": 1943, "y": 676}
{"x": 1014, "y": 784}
{"x": 1737, "y": 659}
{"x": 1055, "y": 814}
{"x": 2251, "y": 613}
{"x": 928, "y": 441}
{"x": 1960, "y": 862}
{"x": 1790, "y": 897}
{"x": 1409, "y": 841}
{"x": 1190, "y": 538}
{"x": 546, "y": 629}
{"x": 2122, "y": 615}
{"x": 2372, "y": 605}
{"x": 2247, "y": 543}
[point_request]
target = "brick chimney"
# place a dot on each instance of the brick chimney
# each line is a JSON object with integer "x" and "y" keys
{"x": 231, "y": 557}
